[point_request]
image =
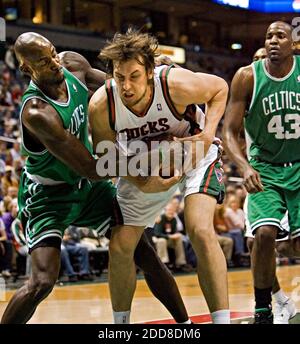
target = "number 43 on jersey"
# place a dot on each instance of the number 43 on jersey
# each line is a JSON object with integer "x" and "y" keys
{"x": 276, "y": 126}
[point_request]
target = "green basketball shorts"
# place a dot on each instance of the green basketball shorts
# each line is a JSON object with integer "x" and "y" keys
{"x": 281, "y": 193}
{"x": 46, "y": 211}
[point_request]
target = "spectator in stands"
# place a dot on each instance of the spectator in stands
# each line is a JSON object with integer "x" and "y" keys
{"x": 19, "y": 243}
{"x": 3, "y": 238}
{"x": 8, "y": 180}
{"x": 15, "y": 150}
{"x": 9, "y": 133}
{"x": 190, "y": 255}
{"x": 8, "y": 217}
{"x": 10, "y": 59}
{"x": 72, "y": 249}
{"x": 3, "y": 150}
{"x": 235, "y": 221}
{"x": 166, "y": 235}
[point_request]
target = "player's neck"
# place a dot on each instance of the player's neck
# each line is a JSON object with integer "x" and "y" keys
{"x": 280, "y": 69}
{"x": 55, "y": 92}
{"x": 141, "y": 107}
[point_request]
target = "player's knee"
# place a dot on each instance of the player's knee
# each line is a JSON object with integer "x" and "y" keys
{"x": 121, "y": 252}
{"x": 41, "y": 287}
{"x": 265, "y": 236}
{"x": 202, "y": 234}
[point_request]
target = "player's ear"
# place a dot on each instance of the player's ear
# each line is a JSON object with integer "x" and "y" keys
{"x": 25, "y": 69}
{"x": 150, "y": 73}
{"x": 295, "y": 45}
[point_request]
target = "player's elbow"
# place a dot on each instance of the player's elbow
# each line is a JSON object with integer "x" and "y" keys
{"x": 222, "y": 87}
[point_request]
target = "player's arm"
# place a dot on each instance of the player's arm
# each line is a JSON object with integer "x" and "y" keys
{"x": 101, "y": 130}
{"x": 94, "y": 78}
{"x": 187, "y": 88}
{"x": 44, "y": 125}
{"x": 240, "y": 93}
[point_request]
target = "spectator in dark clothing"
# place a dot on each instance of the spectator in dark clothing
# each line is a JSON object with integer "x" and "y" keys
{"x": 72, "y": 249}
{"x": 166, "y": 235}
{"x": 8, "y": 218}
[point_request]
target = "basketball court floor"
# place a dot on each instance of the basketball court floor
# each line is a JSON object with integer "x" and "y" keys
{"x": 90, "y": 303}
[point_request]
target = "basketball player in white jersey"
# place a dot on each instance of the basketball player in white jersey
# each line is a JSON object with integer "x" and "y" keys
{"x": 142, "y": 101}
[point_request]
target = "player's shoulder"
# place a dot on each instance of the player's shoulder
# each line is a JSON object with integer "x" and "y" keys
{"x": 245, "y": 72}
{"x": 38, "y": 113}
{"x": 73, "y": 61}
{"x": 36, "y": 103}
{"x": 243, "y": 81}
{"x": 98, "y": 101}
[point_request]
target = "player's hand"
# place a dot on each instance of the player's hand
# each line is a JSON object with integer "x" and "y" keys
{"x": 163, "y": 60}
{"x": 196, "y": 148}
{"x": 252, "y": 180}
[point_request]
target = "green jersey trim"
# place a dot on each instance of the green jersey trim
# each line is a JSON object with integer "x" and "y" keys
{"x": 77, "y": 79}
{"x": 279, "y": 79}
{"x": 52, "y": 100}
{"x": 21, "y": 126}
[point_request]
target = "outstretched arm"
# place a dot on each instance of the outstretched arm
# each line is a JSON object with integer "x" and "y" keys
{"x": 240, "y": 93}
{"x": 44, "y": 124}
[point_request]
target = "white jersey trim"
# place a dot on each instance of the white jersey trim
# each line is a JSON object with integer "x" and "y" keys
{"x": 43, "y": 180}
{"x": 279, "y": 79}
{"x": 254, "y": 86}
{"x": 52, "y": 100}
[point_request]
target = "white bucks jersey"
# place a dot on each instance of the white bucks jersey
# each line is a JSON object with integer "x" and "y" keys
{"x": 161, "y": 116}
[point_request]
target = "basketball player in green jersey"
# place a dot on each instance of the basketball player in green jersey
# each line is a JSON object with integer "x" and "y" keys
{"x": 267, "y": 92}
{"x": 284, "y": 306}
{"x": 52, "y": 192}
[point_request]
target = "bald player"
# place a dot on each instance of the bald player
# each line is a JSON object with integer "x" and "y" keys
{"x": 267, "y": 92}
{"x": 59, "y": 185}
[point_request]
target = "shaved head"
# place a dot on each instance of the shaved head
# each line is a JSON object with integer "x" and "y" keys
{"x": 38, "y": 58}
{"x": 29, "y": 44}
{"x": 282, "y": 25}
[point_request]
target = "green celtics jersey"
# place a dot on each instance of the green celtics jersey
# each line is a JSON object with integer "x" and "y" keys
{"x": 273, "y": 120}
{"x": 42, "y": 166}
